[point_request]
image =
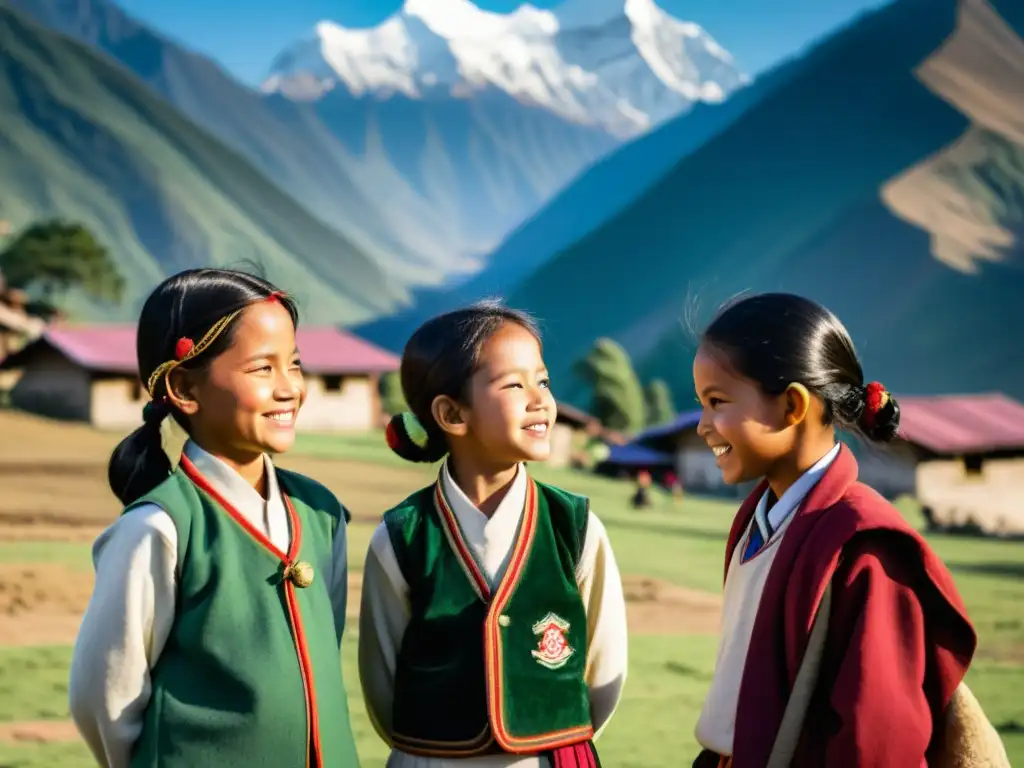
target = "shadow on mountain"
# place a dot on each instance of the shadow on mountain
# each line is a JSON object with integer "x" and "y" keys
{"x": 883, "y": 179}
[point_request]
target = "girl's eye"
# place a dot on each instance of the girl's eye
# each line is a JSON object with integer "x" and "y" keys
{"x": 545, "y": 383}
{"x": 513, "y": 385}
{"x": 713, "y": 401}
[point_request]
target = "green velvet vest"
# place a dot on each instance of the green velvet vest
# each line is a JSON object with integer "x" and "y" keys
{"x": 251, "y": 675}
{"x": 491, "y": 670}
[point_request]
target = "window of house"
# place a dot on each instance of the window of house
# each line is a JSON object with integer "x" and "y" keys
{"x": 972, "y": 465}
{"x": 332, "y": 383}
{"x": 135, "y": 389}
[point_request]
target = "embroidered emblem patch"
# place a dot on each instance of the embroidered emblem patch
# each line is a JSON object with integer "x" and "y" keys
{"x": 553, "y": 649}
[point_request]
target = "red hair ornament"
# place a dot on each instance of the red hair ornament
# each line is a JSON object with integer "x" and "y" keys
{"x": 182, "y": 348}
{"x": 876, "y": 397}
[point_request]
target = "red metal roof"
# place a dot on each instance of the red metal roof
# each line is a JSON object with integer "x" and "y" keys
{"x": 958, "y": 424}
{"x": 324, "y": 350}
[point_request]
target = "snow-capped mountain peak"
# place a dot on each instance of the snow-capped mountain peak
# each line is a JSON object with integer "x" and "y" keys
{"x": 625, "y": 65}
{"x": 461, "y": 19}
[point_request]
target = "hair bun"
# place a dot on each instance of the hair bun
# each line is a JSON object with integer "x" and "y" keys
{"x": 406, "y": 436}
{"x": 880, "y": 417}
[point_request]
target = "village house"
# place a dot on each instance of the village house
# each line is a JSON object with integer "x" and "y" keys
{"x": 694, "y": 463}
{"x": 627, "y": 460}
{"x": 962, "y": 457}
{"x": 88, "y": 373}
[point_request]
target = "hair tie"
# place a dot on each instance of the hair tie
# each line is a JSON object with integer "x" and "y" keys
{"x": 876, "y": 397}
{"x": 276, "y": 296}
{"x": 413, "y": 429}
{"x": 154, "y": 410}
{"x": 172, "y": 435}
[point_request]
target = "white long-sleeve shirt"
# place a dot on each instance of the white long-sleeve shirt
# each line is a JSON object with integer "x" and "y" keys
{"x": 132, "y": 608}
{"x": 384, "y": 615}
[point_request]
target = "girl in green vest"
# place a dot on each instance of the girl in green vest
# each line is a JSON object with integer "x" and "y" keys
{"x": 212, "y": 636}
{"x": 492, "y": 625}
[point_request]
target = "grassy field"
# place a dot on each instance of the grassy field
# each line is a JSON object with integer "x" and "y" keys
{"x": 671, "y": 557}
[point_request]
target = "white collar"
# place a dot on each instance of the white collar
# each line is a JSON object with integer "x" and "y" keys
{"x": 467, "y": 512}
{"x": 793, "y": 496}
{"x": 232, "y": 485}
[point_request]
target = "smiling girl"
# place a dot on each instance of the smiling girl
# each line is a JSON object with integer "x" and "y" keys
{"x": 776, "y": 375}
{"x": 212, "y": 636}
{"x": 493, "y": 625}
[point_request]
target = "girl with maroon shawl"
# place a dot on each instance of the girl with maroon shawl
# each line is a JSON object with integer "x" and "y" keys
{"x": 775, "y": 375}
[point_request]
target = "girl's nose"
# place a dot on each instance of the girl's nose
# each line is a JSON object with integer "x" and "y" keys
{"x": 287, "y": 387}
{"x": 703, "y": 426}
{"x": 537, "y": 397}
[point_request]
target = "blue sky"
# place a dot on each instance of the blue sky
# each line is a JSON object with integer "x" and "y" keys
{"x": 244, "y": 35}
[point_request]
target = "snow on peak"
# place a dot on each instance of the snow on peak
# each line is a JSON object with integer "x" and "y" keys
{"x": 461, "y": 19}
{"x": 625, "y": 65}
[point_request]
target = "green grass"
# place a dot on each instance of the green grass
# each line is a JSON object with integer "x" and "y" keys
{"x": 667, "y": 680}
{"x": 668, "y": 675}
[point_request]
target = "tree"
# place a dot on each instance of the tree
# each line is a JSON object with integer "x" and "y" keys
{"x": 618, "y": 397}
{"x": 392, "y": 400}
{"x": 660, "y": 409}
{"x": 56, "y": 256}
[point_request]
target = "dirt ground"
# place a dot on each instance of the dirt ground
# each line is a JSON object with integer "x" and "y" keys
{"x": 53, "y": 478}
{"x": 38, "y": 731}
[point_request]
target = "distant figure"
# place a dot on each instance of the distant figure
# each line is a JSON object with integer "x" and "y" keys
{"x": 776, "y": 375}
{"x": 672, "y": 485}
{"x": 642, "y": 496}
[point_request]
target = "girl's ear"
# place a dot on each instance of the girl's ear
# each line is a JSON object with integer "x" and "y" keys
{"x": 448, "y": 415}
{"x": 179, "y": 392}
{"x": 798, "y": 403}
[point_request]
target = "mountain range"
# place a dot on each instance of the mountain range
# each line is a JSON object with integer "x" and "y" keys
{"x": 595, "y": 196}
{"x": 427, "y": 179}
{"x": 883, "y": 175}
{"x": 603, "y": 166}
{"x": 624, "y": 65}
{"x": 85, "y": 140}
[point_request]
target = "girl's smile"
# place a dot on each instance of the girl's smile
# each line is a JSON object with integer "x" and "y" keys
{"x": 537, "y": 429}
{"x": 283, "y": 419}
{"x": 720, "y": 452}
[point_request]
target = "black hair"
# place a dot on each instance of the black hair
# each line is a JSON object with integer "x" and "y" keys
{"x": 184, "y": 305}
{"x": 440, "y": 359}
{"x": 777, "y": 339}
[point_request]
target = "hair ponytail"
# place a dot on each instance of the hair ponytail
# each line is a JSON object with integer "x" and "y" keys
{"x": 408, "y": 437}
{"x": 138, "y": 463}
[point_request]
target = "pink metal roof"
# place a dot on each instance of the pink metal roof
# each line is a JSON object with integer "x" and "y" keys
{"x": 324, "y": 350}
{"x": 957, "y": 424}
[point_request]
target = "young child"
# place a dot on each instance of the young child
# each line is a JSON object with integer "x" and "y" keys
{"x": 492, "y": 630}
{"x": 212, "y": 636}
{"x": 776, "y": 374}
